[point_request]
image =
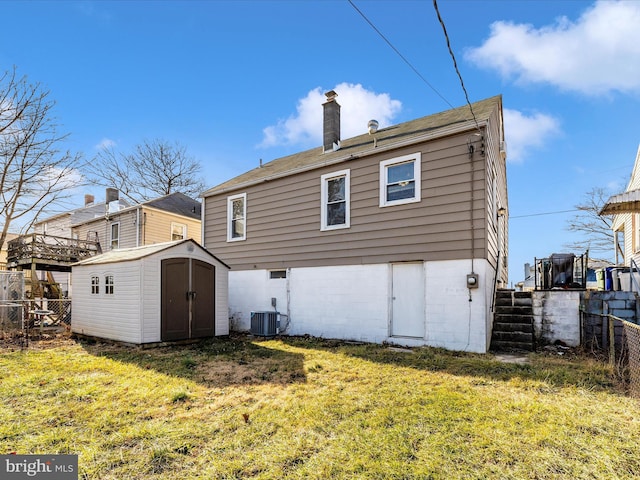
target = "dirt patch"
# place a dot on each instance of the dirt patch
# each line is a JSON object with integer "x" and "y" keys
{"x": 10, "y": 342}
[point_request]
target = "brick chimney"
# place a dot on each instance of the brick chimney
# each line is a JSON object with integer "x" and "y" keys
{"x": 331, "y": 123}
{"x": 88, "y": 199}
{"x": 111, "y": 195}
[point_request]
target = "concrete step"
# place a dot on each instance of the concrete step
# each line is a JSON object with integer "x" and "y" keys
{"x": 513, "y": 327}
{"x": 515, "y": 309}
{"x": 520, "y": 337}
{"x": 510, "y": 346}
{"x": 512, "y": 318}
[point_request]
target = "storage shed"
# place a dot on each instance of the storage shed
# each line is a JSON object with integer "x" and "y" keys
{"x": 155, "y": 293}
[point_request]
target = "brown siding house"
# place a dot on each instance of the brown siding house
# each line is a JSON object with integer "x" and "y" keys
{"x": 378, "y": 237}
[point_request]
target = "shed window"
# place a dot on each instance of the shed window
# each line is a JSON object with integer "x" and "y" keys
{"x": 335, "y": 206}
{"x": 95, "y": 285}
{"x": 400, "y": 180}
{"x": 108, "y": 284}
{"x": 236, "y": 217}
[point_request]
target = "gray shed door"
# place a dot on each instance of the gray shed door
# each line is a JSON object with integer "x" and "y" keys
{"x": 188, "y": 299}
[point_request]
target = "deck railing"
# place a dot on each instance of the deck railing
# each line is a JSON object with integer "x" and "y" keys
{"x": 48, "y": 247}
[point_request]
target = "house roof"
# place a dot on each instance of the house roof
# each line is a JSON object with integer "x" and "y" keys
{"x": 178, "y": 203}
{"x": 432, "y": 126}
{"x": 84, "y": 214}
{"x": 627, "y": 202}
{"x": 135, "y": 253}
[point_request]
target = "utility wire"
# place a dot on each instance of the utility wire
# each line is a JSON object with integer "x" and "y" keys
{"x": 455, "y": 64}
{"x": 544, "y": 213}
{"x": 415, "y": 70}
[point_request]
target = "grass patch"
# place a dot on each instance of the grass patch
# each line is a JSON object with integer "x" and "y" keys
{"x": 306, "y": 408}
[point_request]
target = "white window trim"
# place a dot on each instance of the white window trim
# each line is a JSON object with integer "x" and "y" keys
{"x": 181, "y": 225}
{"x": 107, "y": 285}
{"x": 324, "y": 180}
{"x": 417, "y": 169}
{"x": 111, "y": 235}
{"x": 230, "y": 200}
{"x": 96, "y": 284}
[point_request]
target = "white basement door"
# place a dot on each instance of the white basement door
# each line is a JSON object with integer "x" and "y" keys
{"x": 407, "y": 297}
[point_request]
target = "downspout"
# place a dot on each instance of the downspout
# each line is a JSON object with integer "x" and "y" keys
{"x": 138, "y": 227}
{"x": 202, "y": 242}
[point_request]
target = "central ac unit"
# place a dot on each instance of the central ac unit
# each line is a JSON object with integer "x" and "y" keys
{"x": 265, "y": 324}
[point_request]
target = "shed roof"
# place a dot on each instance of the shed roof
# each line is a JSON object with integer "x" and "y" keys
{"x": 439, "y": 124}
{"x": 135, "y": 253}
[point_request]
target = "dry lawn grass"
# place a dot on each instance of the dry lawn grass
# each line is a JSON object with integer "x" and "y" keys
{"x": 306, "y": 408}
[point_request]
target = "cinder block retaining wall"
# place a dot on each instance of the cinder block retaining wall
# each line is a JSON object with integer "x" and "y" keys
{"x": 556, "y": 316}
{"x": 596, "y": 307}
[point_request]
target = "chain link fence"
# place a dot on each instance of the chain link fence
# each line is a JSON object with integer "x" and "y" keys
{"x": 21, "y": 319}
{"x": 11, "y": 303}
{"x": 618, "y": 340}
{"x": 632, "y": 340}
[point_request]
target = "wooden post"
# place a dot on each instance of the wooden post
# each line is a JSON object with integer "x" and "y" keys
{"x": 612, "y": 341}
{"x": 603, "y": 329}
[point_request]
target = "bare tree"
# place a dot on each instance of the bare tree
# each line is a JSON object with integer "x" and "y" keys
{"x": 155, "y": 168}
{"x": 35, "y": 174}
{"x": 597, "y": 235}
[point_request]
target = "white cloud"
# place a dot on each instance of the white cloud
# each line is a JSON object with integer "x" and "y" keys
{"x": 524, "y": 133}
{"x": 104, "y": 144}
{"x": 597, "y": 54}
{"x": 358, "y": 106}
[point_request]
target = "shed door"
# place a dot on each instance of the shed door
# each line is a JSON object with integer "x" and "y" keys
{"x": 175, "y": 303}
{"x": 407, "y": 300}
{"x": 188, "y": 299}
{"x": 203, "y": 281}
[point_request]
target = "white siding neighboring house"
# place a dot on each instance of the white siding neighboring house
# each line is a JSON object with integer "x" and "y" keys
{"x": 625, "y": 208}
{"x": 399, "y": 235}
{"x": 162, "y": 292}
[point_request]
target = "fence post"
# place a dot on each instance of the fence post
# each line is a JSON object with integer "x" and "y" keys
{"x": 612, "y": 341}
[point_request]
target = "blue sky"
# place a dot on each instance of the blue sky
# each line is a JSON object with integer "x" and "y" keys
{"x": 240, "y": 81}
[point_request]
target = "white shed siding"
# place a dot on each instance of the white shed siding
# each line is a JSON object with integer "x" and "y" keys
{"x": 152, "y": 299}
{"x": 114, "y": 316}
{"x": 133, "y": 313}
{"x": 222, "y": 300}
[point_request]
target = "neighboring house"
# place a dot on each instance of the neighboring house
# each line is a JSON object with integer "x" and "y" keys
{"x": 625, "y": 208}
{"x": 3, "y": 250}
{"x": 118, "y": 224}
{"x": 172, "y": 217}
{"x": 399, "y": 235}
{"x": 111, "y": 225}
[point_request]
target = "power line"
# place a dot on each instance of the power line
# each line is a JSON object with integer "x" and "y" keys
{"x": 415, "y": 70}
{"x": 543, "y": 213}
{"x": 455, "y": 64}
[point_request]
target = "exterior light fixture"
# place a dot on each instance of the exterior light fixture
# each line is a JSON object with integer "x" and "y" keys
{"x": 502, "y": 212}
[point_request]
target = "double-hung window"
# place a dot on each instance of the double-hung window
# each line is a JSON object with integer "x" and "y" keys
{"x": 400, "y": 180}
{"x": 178, "y": 231}
{"x": 336, "y": 192}
{"x": 237, "y": 217}
{"x": 115, "y": 235}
